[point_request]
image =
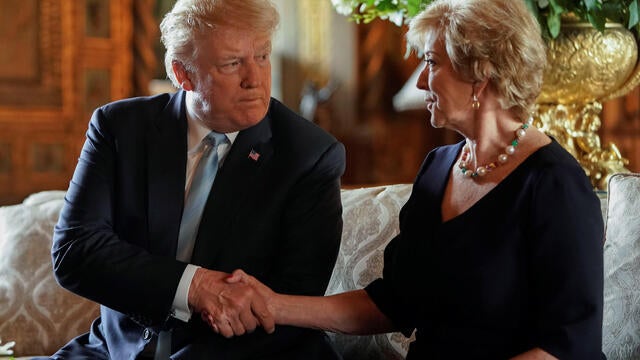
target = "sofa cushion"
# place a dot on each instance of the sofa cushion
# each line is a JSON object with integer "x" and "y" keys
{"x": 621, "y": 325}
{"x": 35, "y": 312}
{"x": 370, "y": 217}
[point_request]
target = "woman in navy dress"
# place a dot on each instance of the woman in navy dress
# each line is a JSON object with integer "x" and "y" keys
{"x": 499, "y": 253}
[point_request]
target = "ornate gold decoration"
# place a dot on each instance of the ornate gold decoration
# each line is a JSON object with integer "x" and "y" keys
{"x": 575, "y": 126}
{"x": 587, "y": 67}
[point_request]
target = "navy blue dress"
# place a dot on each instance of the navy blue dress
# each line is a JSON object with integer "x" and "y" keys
{"x": 522, "y": 268}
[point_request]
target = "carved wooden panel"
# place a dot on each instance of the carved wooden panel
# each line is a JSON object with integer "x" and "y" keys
{"x": 31, "y": 61}
{"x": 60, "y": 60}
{"x": 621, "y": 126}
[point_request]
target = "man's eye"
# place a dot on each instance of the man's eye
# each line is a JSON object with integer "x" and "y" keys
{"x": 429, "y": 62}
{"x": 262, "y": 58}
{"x": 229, "y": 67}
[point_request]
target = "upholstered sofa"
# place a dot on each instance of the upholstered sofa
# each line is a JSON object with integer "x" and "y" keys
{"x": 39, "y": 316}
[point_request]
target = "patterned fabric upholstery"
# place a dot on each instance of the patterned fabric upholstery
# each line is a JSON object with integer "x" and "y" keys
{"x": 41, "y": 316}
{"x": 370, "y": 218}
{"x": 621, "y": 325}
{"x": 35, "y": 311}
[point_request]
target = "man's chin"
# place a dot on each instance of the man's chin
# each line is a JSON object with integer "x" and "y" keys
{"x": 250, "y": 119}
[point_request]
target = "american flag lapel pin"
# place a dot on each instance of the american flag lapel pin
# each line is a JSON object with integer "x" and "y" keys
{"x": 253, "y": 155}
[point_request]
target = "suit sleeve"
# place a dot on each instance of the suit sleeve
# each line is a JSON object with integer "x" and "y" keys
{"x": 312, "y": 227}
{"x": 89, "y": 256}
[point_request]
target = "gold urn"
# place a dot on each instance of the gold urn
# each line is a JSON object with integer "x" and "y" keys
{"x": 586, "y": 67}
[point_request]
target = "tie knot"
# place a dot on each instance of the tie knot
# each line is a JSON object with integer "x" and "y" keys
{"x": 214, "y": 139}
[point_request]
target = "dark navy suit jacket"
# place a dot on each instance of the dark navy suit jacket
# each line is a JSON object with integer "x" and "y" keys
{"x": 278, "y": 217}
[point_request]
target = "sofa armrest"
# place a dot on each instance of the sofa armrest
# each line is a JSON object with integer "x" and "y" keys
{"x": 621, "y": 323}
{"x": 35, "y": 312}
{"x": 370, "y": 217}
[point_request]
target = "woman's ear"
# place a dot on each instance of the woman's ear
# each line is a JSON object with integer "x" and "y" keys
{"x": 182, "y": 76}
{"x": 479, "y": 86}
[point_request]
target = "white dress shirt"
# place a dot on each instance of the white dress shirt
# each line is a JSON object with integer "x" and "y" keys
{"x": 195, "y": 133}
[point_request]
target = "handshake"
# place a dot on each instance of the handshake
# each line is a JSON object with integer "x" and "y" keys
{"x": 232, "y": 304}
{"x": 236, "y": 304}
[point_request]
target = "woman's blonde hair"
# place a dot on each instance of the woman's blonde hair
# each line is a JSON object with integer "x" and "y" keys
{"x": 189, "y": 19}
{"x": 499, "y": 40}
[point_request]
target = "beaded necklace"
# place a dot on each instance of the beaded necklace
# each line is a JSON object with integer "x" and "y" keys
{"x": 469, "y": 149}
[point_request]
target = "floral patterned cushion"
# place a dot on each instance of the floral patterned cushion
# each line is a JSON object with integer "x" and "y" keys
{"x": 621, "y": 325}
{"x": 370, "y": 217}
{"x": 35, "y": 312}
{"x": 40, "y": 316}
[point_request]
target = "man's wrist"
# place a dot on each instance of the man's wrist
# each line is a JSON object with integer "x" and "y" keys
{"x": 180, "y": 308}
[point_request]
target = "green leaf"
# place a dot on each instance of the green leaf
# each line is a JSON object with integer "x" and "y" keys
{"x": 555, "y": 8}
{"x": 634, "y": 15}
{"x": 553, "y": 23}
{"x": 415, "y": 6}
{"x": 553, "y": 17}
{"x": 591, "y": 5}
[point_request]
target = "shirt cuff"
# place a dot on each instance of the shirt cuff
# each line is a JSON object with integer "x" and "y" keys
{"x": 180, "y": 308}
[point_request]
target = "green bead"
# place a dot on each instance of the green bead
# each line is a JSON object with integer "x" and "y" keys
{"x": 514, "y": 142}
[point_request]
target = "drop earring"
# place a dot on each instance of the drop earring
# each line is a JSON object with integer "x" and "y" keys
{"x": 475, "y": 104}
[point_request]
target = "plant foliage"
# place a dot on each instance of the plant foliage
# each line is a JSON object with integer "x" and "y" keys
{"x": 548, "y": 12}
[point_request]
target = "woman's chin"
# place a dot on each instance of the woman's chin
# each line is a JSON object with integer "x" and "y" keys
{"x": 436, "y": 123}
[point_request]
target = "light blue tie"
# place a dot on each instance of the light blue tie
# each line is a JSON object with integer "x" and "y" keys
{"x": 193, "y": 205}
{"x": 198, "y": 193}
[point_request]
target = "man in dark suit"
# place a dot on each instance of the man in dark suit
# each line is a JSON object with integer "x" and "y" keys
{"x": 273, "y": 208}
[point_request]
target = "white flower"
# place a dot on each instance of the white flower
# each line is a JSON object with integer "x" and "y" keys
{"x": 370, "y": 9}
{"x": 395, "y": 17}
{"x": 6, "y": 348}
{"x": 344, "y": 7}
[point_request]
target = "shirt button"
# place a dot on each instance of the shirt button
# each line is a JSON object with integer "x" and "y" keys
{"x": 146, "y": 334}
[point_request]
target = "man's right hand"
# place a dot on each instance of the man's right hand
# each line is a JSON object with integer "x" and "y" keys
{"x": 231, "y": 309}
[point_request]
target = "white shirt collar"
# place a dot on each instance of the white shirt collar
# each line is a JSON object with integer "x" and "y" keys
{"x": 196, "y": 132}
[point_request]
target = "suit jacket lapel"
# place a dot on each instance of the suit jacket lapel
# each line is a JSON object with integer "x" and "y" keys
{"x": 251, "y": 150}
{"x": 167, "y": 154}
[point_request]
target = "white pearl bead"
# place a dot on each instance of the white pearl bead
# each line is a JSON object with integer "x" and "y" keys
{"x": 482, "y": 171}
{"x": 503, "y": 158}
{"x": 468, "y": 173}
{"x": 510, "y": 149}
{"x": 520, "y": 133}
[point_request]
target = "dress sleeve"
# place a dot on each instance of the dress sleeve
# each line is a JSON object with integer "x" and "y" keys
{"x": 565, "y": 235}
{"x": 382, "y": 293}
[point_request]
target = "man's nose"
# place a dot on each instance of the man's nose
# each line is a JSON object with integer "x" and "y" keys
{"x": 251, "y": 74}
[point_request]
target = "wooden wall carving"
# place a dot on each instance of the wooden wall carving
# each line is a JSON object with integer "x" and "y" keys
{"x": 31, "y": 64}
{"x": 146, "y": 34}
{"x": 621, "y": 126}
{"x": 60, "y": 59}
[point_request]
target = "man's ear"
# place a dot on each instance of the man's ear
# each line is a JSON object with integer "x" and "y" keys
{"x": 182, "y": 75}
